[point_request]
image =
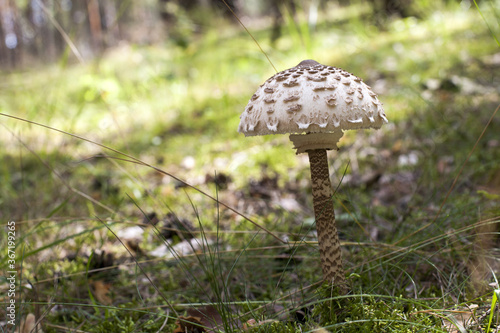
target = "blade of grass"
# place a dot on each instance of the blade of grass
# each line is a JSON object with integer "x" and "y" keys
{"x": 57, "y": 208}
{"x": 494, "y": 300}
{"x": 89, "y": 291}
{"x": 487, "y": 24}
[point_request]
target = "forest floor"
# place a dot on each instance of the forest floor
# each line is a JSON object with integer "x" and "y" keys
{"x": 119, "y": 173}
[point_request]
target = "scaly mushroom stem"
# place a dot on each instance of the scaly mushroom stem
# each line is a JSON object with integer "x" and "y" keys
{"x": 328, "y": 238}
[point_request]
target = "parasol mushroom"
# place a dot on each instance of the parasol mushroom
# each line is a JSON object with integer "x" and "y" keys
{"x": 315, "y": 103}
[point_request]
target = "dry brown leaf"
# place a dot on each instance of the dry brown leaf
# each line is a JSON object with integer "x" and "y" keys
{"x": 204, "y": 319}
{"x": 100, "y": 291}
{"x": 397, "y": 146}
{"x": 252, "y": 323}
{"x": 189, "y": 325}
{"x": 28, "y": 325}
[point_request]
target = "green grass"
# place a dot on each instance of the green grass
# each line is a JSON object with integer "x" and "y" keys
{"x": 166, "y": 105}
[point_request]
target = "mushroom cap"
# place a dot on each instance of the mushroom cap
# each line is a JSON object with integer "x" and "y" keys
{"x": 311, "y": 98}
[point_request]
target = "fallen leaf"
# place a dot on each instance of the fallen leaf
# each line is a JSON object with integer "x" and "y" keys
{"x": 189, "y": 325}
{"x": 210, "y": 317}
{"x": 183, "y": 248}
{"x": 204, "y": 319}
{"x": 28, "y": 325}
{"x": 100, "y": 291}
{"x": 249, "y": 324}
{"x": 396, "y": 147}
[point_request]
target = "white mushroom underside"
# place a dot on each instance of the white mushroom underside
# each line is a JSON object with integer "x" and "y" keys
{"x": 311, "y": 99}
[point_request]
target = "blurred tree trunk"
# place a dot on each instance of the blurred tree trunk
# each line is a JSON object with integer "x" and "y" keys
{"x": 4, "y": 51}
{"x": 95, "y": 24}
{"x": 46, "y": 30}
{"x": 9, "y": 33}
{"x": 111, "y": 22}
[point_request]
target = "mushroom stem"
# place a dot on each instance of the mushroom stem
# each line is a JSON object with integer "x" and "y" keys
{"x": 328, "y": 238}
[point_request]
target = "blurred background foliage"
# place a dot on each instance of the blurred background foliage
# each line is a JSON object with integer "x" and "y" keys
{"x": 45, "y": 31}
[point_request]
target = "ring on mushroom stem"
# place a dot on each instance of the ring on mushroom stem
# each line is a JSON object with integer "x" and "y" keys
{"x": 309, "y": 103}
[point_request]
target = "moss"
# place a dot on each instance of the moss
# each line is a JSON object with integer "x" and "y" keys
{"x": 276, "y": 327}
{"x": 366, "y": 313}
{"x": 118, "y": 320}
